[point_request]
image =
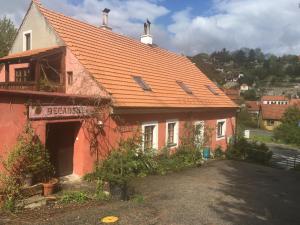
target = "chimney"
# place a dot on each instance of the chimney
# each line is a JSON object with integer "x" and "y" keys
{"x": 146, "y": 38}
{"x": 105, "y": 19}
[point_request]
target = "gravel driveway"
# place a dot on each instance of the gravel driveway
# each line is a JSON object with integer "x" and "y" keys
{"x": 221, "y": 192}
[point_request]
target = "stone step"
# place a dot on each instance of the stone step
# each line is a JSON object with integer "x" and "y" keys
{"x": 35, "y": 201}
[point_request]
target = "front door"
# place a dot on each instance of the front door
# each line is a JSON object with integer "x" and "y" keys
{"x": 60, "y": 144}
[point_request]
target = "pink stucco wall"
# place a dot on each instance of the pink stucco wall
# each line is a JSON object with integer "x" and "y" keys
{"x": 13, "y": 118}
{"x": 83, "y": 83}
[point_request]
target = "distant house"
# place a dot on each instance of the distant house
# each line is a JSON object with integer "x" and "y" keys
{"x": 244, "y": 87}
{"x": 233, "y": 94}
{"x": 253, "y": 107}
{"x": 274, "y": 99}
{"x": 271, "y": 115}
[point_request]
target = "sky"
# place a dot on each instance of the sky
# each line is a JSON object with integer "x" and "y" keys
{"x": 189, "y": 26}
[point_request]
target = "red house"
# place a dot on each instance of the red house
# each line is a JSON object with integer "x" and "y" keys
{"x": 59, "y": 70}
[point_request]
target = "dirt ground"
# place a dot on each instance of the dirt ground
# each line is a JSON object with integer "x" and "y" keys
{"x": 221, "y": 192}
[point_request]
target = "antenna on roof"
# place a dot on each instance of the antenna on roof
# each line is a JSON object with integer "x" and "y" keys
{"x": 105, "y": 19}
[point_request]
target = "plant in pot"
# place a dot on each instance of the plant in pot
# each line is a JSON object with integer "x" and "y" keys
{"x": 47, "y": 176}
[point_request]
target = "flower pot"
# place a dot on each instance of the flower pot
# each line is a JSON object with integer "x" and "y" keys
{"x": 28, "y": 180}
{"x": 49, "y": 187}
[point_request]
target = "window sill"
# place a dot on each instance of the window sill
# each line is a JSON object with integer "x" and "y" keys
{"x": 220, "y": 137}
{"x": 172, "y": 145}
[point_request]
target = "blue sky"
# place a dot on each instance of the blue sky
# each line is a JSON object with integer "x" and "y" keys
{"x": 189, "y": 26}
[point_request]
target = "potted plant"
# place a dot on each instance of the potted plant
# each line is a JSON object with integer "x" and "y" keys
{"x": 49, "y": 186}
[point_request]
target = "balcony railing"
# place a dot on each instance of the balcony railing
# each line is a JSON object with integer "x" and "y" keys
{"x": 19, "y": 85}
{"x": 31, "y": 86}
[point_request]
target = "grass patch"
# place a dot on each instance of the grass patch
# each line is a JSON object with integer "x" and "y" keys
{"x": 262, "y": 138}
{"x": 138, "y": 199}
{"x": 74, "y": 197}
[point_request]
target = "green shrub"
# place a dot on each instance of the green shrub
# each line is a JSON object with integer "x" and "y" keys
{"x": 251, "y": 151}
{"x": 74, "y": 197}
{"x": 218, "y": 152}
{"x": 28, "y": 156}
{"x": 100, "y": 193}
{"x": 289, "y": 130}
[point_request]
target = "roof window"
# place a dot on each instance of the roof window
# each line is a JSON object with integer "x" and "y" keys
{"x": 184, "y": 87}
{"x": 212, "y": 90}
{"x": 139, "y": 80}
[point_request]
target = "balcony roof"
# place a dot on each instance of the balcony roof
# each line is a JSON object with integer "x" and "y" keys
{"x": 31, "y": 54}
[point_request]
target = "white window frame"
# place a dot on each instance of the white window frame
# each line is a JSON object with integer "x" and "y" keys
{"x": 201, "y": 122}
{"x": 176, "y": 132}
{"x": 24, "y": 39}
{"x": 155, "y": 133}
{"x": 223, "y": 129}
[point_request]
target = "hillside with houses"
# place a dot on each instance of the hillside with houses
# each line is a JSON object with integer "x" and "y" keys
{"x": 266, "y": 74}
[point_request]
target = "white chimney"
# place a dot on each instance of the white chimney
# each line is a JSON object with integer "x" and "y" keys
{"x": 105, "y": 19}
{"x": 146, "y": 38}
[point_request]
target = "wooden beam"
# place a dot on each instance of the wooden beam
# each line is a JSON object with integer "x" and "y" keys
{"x": 6, "y": 72}
{"x": 37, "y": 74}
{"x": 63, "y": 70}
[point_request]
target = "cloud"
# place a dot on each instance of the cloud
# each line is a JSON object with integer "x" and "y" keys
{"x": 270, "y": 25}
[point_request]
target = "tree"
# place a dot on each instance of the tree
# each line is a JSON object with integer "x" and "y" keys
{"x": 7, "y": 35}
{"x": 252, "y": 56}
{"x": 249, "y": 95}
{"x": 289, "y": 130}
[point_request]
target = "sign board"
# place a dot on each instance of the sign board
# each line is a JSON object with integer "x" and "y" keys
{"x": 247, "y": 134}
{"x": 59, "y": 111}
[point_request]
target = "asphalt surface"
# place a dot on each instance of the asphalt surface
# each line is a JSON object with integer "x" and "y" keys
{"x": 221, "y": 192}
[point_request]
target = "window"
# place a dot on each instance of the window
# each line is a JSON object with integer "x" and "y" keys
{"x": 184, "y": 87}
{"x": 199, "y": 132}
{"x": 270, "y": 122}
{"x": 22, "y": 75}
{"x": 139, "y": 80}
{"x": 172, "y": 133}
{"x": 221, "y": 129}
{"x": 150, "y": 135}
{"x": 27, "y": 40}
{"x": 70, "y": 77}
{"x": 212, "y": 90}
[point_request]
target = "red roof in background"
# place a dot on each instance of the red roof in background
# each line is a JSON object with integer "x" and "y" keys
{"x": 295, "y": 102}
{"x": 112, "y": 59}
{"x": 273, "y": 111}
{"x": 252, "y": 105}
{"x": 274, "y": 98}
{"x": 233, "y": 94}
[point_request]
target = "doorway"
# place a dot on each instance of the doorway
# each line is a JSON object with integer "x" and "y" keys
{"x": 60, "y": 141}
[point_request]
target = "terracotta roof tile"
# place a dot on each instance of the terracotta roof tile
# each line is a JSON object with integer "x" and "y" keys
{"x": 274, "y": 98}
{"x": 113, "y": 59}
{"x": 273, "y": 112}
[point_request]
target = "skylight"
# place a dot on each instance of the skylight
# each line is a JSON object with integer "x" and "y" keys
{"x": 184, "y": 87}
{"x": 139, "y": 80}
{"x": 212, "y": 90}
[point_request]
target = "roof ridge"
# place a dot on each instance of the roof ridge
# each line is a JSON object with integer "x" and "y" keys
{"x": 108, "y": 31}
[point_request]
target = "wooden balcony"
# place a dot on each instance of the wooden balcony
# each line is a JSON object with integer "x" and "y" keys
{"x": 44, "y": 70}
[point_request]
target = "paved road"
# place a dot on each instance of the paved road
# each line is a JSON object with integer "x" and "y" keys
{"x": 221, "y": 192}
{"x": 285, "y": 157}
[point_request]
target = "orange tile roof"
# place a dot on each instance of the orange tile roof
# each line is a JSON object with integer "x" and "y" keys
{"x": 29, "y": 53}
{"x": 273, "y": 111}
{"x": 252, "y": 105}
{"x": 113, "y": 59}
{"x": 274, "y": 98}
